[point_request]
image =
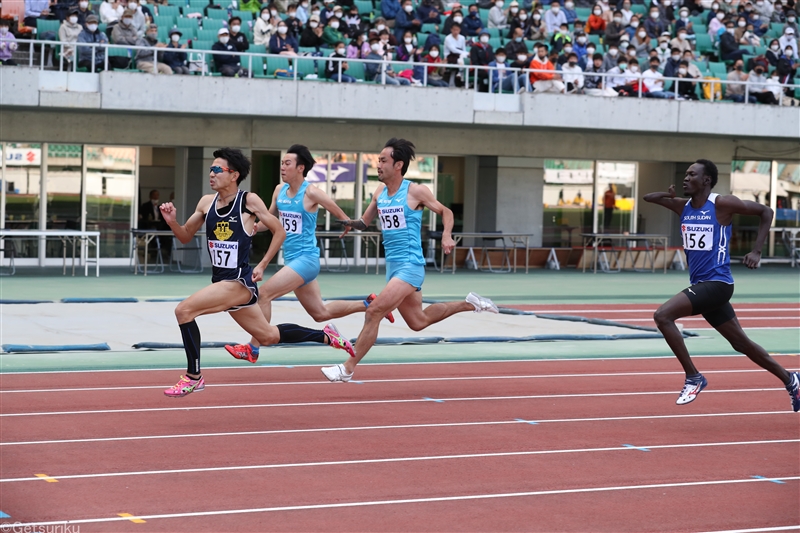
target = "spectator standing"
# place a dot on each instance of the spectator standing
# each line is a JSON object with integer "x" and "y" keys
{"x": 614, "y": 29}
{"x": 237, "y": 37}
{"x": 655, "y": 25}
{"x": 68, "y": 33}
{"x": 654, "y": 82}
{"x": 728, "y": 44}
{"x": 472, "y": 25}
{"x": 572, "y": 74}
{"x": 8, "y": 43}
{"x": 125, "y": 32}
{"x": 609, "y": 203}
{"x": 176, "y": 60}
{"x": 734, "y": 91}
{"x": 497, "y": 17}
{"x": 226, "y": 64}
{"x": 481, "y": 54}
{"x": 332, "y": 68}
{"x": 545, "y": 82}
{"x": 596, "y": 25}
{"x": 554, "y": 18}
{"x": 146, "y": 59}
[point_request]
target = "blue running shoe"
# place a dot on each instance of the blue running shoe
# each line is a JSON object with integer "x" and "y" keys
{"x": 691, "y": 388}
{"x": 794, "y": 391}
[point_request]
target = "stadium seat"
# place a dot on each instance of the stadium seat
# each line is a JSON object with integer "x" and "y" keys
{"x": 258, "y": 67}
{"x": 306, "y": 66}
{"x": 164, "y": 21}
{"x": 43, "y": 26}
{"x": 484, "y": 15}
{"x": 202, "y": 45}
{"x": 214, "y": 24}
{"x": 594, "y": 39}
{"x": 703, "y": 43}
{"x": 428, "y": 28}
{"x": 218, "y": 14}
{"x": 364, "y": 7}
{"x": 169, "y": 11}
{"x": 246, "y": 16}
{"x": 496, "y": 42}
{"x": 639, "y": 9}
{"x": 584, "y": 12}
{"x": 207, "y": 35}
{"x": 493, "y": 32}
{"x": 356, "y": 70}
{"x": 276, "y": 63}
{"x": 190, "y": 10}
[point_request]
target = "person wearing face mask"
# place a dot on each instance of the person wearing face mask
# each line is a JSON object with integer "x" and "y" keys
{"x": 125, "y": 31}
{"x": 502, "y": 78}
{"x": 237, "y": 37}
{"x": 791, "y": 22}
{"x": 333, "y": 70}
{"x": 282, "y": 43}
{"x": 734, "y": 91}
{"x": 560, "y": 39}
{"x": 84, "y": 10}
{"x": 597, "y": 85}
{"x": 626, "y": 12}
{"x": 331, "y": 34}
{"x": 311, "y": 37}
{"x": 407, "y": 49}
{"x": 327, "y": 13}
{"x": 773, "y": 53}
{"x": 693, "y": 70}
{"x": 8, "y": 43}
{"x": 111, "y": 12}
{"x": 520, "y": 20}
{"x": 455, "y": 16}
{"x": 455, "y": 50}
{"x": 177, "y": 59}
{"x": 716, "y": 25}
{"x": 68, "y": 33}
{"x": 35, "y": 10}
{"x": 139, "y": 20}
{"x": 430, "y": 13}
{"x": 373, "y": 71}
{"x": 614, "y": 29}
{"x": 728, "y": 44}
{"x": 617, "y": 78}
{"x": 572, "y": 74}
{"x": 758, "y": 85}
{"x": 786, "y": 69}
{"x": 303, "y": 13}
{"x": 554, "y": 18}
{"x": 91, "y": 34}
{"x": 569, "y": 11}
{"x": 538, "y": 29}
{"x": 596, "y": 24}
{"x": 435, "y": 73}
{"x": 764, "y": 8}
{"x": 686, "y": 89}
{"x": 579, "y": 44}
{"x": 585, "y": 58}
{"x": 407, "y": 20}
{"x": 226, "y": 64}
{"x": 683, "y": 23}
{"x": 481, "y": 54}
{"x": 654, "y": 26}
{"x": 264, "y": 29}
{"x": 666, "y": 11}
{"x": 472, "y": 24}
{"x": 612, "y": 58}
{"x": 149, "y": 213}
{"x": 358, "y": 47}
{"x": 514, "y": 46}
{"x": 498, "y": 18}
{"x": 295, "y": 27}
{"x": 789, "y": 39}
{"x": 389, "y": 11}
{"x": 563, "y": 57}
{"x": 681, "y": 41}
{"x": 545, "y": 82}
{"x": 146, "y": 59}
{"x": 760, "y": 25}
{"x": 673, "y": 63}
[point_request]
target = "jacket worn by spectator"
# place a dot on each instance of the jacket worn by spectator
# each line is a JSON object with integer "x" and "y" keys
{"x": 514, "y": 48}
{"x": 497, "y": 18}
{"x": 332, "y": 67}
{"x": 671, "y": 68}
{"x": 404, "y": 22}
{"x": 331, "y": 36}
{"x": 372, "y": 70}
{"x": 174, "y": 59}
{"x": 240, "y": 42}
{"x": 429, "y": 14}
{"x": 6, "y": 41}
{"x": 596, "y": 25}
{"x": 471, "y": 26}
{"x": 654, "y": 28}
{"x": 309, "y": 39}
{"x": 613, "y": 32}
{"x": 85, "y": 52}
{"x": 390, "y": 9}
{"x": 109, "y": 14}
{"x": 541, "y": 64}
{"x": 221, "y": 60}
{"x": 122, "y": 34}
{"x": 262, "y": 31}
{"x": 593, "y": 82}
{"x": 734, "y": 89}
{"x": 148, "y": 55}
{"x": 552, "y": 21}
{"x": 481, "y": 54}
{"x": 727, "y": 44}
{"x": 68, "y": 33}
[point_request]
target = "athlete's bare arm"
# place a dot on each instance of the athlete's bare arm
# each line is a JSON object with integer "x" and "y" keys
{"x": 318, "y": 197}
{"x": 259, "y": 209}
{"x": 193, "y": 224}
{"x": 273, "y": 209}
{"x": 730, "y": 205}
{"x": 667, "y": 199}
{"x": 421, "y": 195}
{"x": 369, "y": 214}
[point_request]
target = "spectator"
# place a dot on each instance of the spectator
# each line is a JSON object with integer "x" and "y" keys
{"x": 716, "y": 25}
{"x": 760, "y": 26}
{"x": 333, "y": 68}
{"x": 331, "y": 34}
{"x": 758, "y": 85}
{"x": 372, "y": 71}
{"x": 36, "y": 9}
{"x": 789, "y": 39}
{"x": 8, "y": 43}
{"x": 563, "y": 57}
{"x": 408, "y": 49}
{"x": 359, "y": 47}
{"x": 764, "y": 9}
{"x": 633, "y": 81}
{"x": 560, "y": 39}
{"x": 435, "y": 73}
{"x": 631, "y": 52}
{"x": 695, "y": 6}
{"x": 688, "y": 56}
{"x": 618, "y": 78}
{"x": 569, "y": 12}
{"x": 176, "y": 60}
{"x": 791, "y": 22}
{"x": 472, "y": 25}
{"x": 264, "y": 29}
{"x": 504, "y": 79}
{"x": 579, "y": 46}
{"x": 614, "y": 29}
{"x": 92, "y": 35}
{"x": 666, "y": 12}
{"x": 139, "y": 20}
{"x": 407, "y": 20}
{"x": 456, "y": 16}
{"x": 741, "y": 27}
{"x": 455, "y": 47}
{"x": 353, "y": 22}
{"x": 517, "y": 44}
{"x": 387, "y": 40}
{"x": 146, "y": 59}
{"x": 641, "y": 43}
{"x": 734, "y": 91}
{"x": 750, "y": 37}
{"x": 125, "y": 32}
{"x": 728, "y": 44}
{"x": 572, "y": 74}
{"x": 596, "y": 25}
{"x": 586, "y": 61}
{"x": 787, "y": 68}
{"x": 389, "y": 10}
{"x": 84, "y": 10}
{"x": 773, "y": 54}
{"x": 303, "y": 13}
{"x": 282, "y": 43}
{"x": 656, "y": 24}
{"x": 481, "y": 54}
{"x": 497, "y": 17}
{"x": 226, "y": 64}
{"x": 686, "y": 89}
{"x": 611, "y": 59}
{"x": 633, "y": 26}
{"x": 681, "y": 42}
{"x": 328, "y": 13}
{"x": 68, "y": 33}
{"x": 429, "y": 13}
{"x": 627, "y": 14}
{"x": 597, "y": 85}
{"x": 673, "y": 63}
{"x": 545, "y": 82}
{"x": 663, "y": 50}
{"x": 237, "y": 38}
{"x": 683, "y": 22}
{"x": 554, "y": 18}
{"x": 538, "y": 29}
{"x": 728, "y": 7}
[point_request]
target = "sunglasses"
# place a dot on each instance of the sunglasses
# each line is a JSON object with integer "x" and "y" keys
{"x": 219, "y": 170}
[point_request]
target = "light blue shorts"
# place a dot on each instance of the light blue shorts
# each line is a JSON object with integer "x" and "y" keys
{"x": 305, "y": 265}
{"x": 412, "y": 274}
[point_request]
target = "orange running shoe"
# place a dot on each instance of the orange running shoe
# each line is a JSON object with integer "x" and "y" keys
{"x": 242, "y": 351}
{"x": 389, "y": 317}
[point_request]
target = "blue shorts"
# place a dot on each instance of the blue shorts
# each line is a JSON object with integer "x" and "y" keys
{"x": 412, "y": 274}
{"x": 307, "y": 266}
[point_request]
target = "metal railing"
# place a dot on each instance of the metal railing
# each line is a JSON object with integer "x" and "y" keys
{"x": 469, "y": 72}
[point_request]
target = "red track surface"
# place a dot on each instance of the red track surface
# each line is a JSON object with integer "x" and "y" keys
{"x": 576, "y": 447}
{"x": 751, "y": 315}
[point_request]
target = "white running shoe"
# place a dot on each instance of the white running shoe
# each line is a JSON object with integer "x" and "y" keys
{"x": 691, "y": 388}
{"x": 336, "y": 373}
{"x": 481, "y": 304}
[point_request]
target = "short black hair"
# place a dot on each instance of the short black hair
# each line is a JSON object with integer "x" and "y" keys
{"x": 402, "y": 150}
{"x": 236, "y": 161}
{"x": 303, "y": 157}
{"x": 710, "y": 170}
{"x": 597, "y": 56}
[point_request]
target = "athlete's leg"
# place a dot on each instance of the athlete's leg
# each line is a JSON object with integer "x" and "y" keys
{"x": 280, "y": 284}
{"x": 733, "y": 333}
{"x": 676, "y": 307}
{"x": 310, "y": 298}
{"x": 253, "y": 322}
{"x": 418, "y": 318}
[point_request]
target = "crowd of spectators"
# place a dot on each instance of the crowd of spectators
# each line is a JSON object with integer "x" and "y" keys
{"x": 595, "y": 48}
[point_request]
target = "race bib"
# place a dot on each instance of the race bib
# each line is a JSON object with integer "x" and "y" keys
{"x": 392, "y": 218}
{"x": 224, "y": 254}
{"x": 292, "y": 222}
{"x": 698, "y": 237}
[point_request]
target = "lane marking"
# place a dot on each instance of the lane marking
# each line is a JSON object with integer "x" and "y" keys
{"x": 624, "y": 447}
{"x": 688, "y": 318}
{"x": 769, "y": 479}
{"x": 366, "y": 402}
{"x": 396, "y": 426}
{"x": 758, "y": 529}
{"x": 400, "y": 380}
{"x": 467, "y": 497}
{"x": 45, "y": 477}
{"x": 132, "y": 518}
{"x": 738, "y": 309}
{"x": 531, "y": 422}
{"x": 432, "y": 400}
{"x": 4, "y": 515}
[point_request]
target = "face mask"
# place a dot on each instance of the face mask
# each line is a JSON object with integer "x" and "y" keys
{"x": 91, "y": 27}
{"x": 537, "y": 16}
{"x": 473, "y": 14}
{"x": 738, "y": 67}
{"x": 523, "y": 16}
{"x": 641, "y": 34}
{"x": 304, "y": 5}
{"x": 501, "y": 59}
{"x": 563, "y": 31}
{"x": 407, "y": 40}
{"x": 485, "y": 39}
{"x": 236, "y": 28}
{"x": 715, "y": 6}
{"x": 572, "y": 63}
{"x": 720, "y": 15}
{"x": 265, "y": 17}
{"x": 313, "y": 24}
{"x": 789, "y": 52}
{"x": 340, "y": 51}
{"x": 676, "y": 57}
{"x": 458, "y": 19}
{"x": 568, "y": 49}
{"x": 338, "y": 14}
{"x": 375, "y": 47}
{"x": 774, "y": 47}
{"x": 282, "y": 30}
{"x": 684, "y": 15}
{"x": 517, "y": 39}
{"x": 590, "y": 51}
{"x": 499, "y": 5}
{"x": 667, "y": 3}
{"x": 315, "y": 12}
{"x": 742, "y": 24}
{"x": 581, "y": 40}
{"x": 555, "y": 10}
{"x": 791, "y": 19}
{"x": 175, "y": 37}
{"x": 127, "y": 22}
{"x": 664, "y": 46}
{"x": 631, "y": 53}
{"x": 132, "y": 5}
{"x": 653, "y": 16}
{"x": 521, "y": 57}
{"x": 73, "y": 20}
{"x": 569, "y": 5}
{"x": 682, "y": 70}
{"x": 759, "y": 71}
{"x": 622, "y": 67}
{"x": 514, "y": 10}
{"x": 335, "y": 24}
{"x": 682, "y": 36}
{"x": 408, "y": 9}
{"x": 292, "y": 14}
{"x": 434, "y": 53}
{"x": 759, "y": 4}
{"x": 653, "y": 66}
{"x": 634, "y": 24}
{"x": 224, "y": 40}
{"x": 730, "y": 30}
{"x": 617, "y": 20}
{"x": 613, "y": 52}
{"x": 597, "y": 12}
{"x": 755, "y": 17}
{"x": 634, "y": 68}
{"x": 83, "y": 5}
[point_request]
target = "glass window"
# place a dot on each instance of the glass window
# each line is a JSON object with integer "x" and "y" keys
{"x": 110, "y": 193}
{"x": 787, "y": 212}
{"x": 64, "y": 166}
{"x": 22, "y": 182}
{"x": 567, "y": 197}
{"x": 616, "y": 197}
{"x": 750, "y": 180}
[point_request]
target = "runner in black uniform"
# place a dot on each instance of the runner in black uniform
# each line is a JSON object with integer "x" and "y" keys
{"x": 230, "y": 216}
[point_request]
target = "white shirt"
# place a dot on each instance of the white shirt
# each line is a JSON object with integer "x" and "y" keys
{"x": 616, "y": 78}
{"x": 573, "y": 75}
{"x": 108, "y": 14}
{"x": 626, "y": 16}
{"x": 786, "y": 41}
{"x": 453, "y": 46}
{"x": 653, "y": 81}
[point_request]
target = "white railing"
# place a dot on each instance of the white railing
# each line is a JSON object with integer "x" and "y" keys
{"x": 247, "y": 59}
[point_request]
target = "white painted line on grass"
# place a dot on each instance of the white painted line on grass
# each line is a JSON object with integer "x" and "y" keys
{"x": 397, "y": 460}
{"x": 373, "y": 503}
{"x": 395, "y": 426}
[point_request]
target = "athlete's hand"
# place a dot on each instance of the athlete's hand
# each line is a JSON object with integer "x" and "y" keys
{"x": 345, "y": 232}
{"x": 258, "y": 273}
{"x": 671, "y": 191}
{"x": 752, "y": 259}
{"x": 168, "y": 212}
{"x": 448, "y": 244}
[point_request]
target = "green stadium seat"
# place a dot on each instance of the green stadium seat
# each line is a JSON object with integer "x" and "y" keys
{"x": 43, "y": 26}
{"x": 246, "y": 16}
{"x": 428, "y": 28}
{"x": 484, "y": 15}
{"x": 191, "y": 10}
{"x": 356, "y": 70}
{"x": 164, "y": 21}
{"x": 365, "y": 7}
{"x": 639, "y": 9}
{"x": 169, "y": 11}
{"x": 421, "y": 38}
{"x": 213, "y": 24}
{"x": 207, "y": 35}
{"x": 218, "y": 14}
{"x": 594, "y": 39}
{"x": 493, "y": 32}
{"x": 202, "y": 45}
{"x": 276, "y": 63}
{"x": 305, "y": 66}
{"x": 307, "y": 50}
{"x": 703, "y": 43}
{"x": 584, "y": 12}
{"x": 496, "y": 42}
{"x": 258, "y": 66}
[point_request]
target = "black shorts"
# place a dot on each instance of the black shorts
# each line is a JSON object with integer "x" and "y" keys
{"x": 712, "y": 300}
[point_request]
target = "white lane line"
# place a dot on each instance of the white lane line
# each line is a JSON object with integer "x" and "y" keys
{"x": 394, "y": 363}
{"x": 738, "y": 309}
{"x": 372, "y": 503}
{"x": 757, "y": 530}
{"x": 399, "y": 460}
{"x": 395, "y": 426}
{"x": 650, "y": 319}
{"x": 365, "y": 402}
{"x": 398, "y": 380}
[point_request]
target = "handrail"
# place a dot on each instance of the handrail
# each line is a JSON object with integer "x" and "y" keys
{"x": 493, "y": 73}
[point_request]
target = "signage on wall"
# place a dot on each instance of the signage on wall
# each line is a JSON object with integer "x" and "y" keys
{"x": 23, "y": 157}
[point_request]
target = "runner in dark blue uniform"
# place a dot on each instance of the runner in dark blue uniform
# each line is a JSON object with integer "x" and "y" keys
{"x": 230, "y": 216}
{"x": 706, "y": 231}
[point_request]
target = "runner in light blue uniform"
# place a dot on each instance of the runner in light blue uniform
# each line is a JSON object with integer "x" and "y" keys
{"x": 399, "y": 203}
{"x": 706, "y": 232}
{"x": 300, "y": 251}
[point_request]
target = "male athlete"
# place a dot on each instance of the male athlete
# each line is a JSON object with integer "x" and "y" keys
{"x": 296, "y": 202}
{"x": 230, "y": 216}
{"x": 399, "y": 204}
{"x": 706, "y": 230}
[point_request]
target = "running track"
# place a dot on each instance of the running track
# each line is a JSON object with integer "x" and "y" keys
{"x": 751, "y": 315}
{"x": 533, "y": 445}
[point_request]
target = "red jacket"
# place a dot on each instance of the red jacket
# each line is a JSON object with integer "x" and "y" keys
{"x": 595, "y": 24}
{"x": 538, "y": 65}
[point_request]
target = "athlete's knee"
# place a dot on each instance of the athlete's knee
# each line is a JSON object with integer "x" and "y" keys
{"x": 374, "y": 312}
{"x": 416, "y": 324}
{"x": 183, "y": 313}
{"x": 269, "y": 336}
{"x": 663, "y": 317}
{"x": 742, "y": 345}
{"x": 320, "y": 315}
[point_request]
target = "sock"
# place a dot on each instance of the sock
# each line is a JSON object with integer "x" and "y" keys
{"x": 695, "y": 377}
{"x": 292, "y": 334}
{"x": 253, "y": 348}
{"x": 191, "y": 343}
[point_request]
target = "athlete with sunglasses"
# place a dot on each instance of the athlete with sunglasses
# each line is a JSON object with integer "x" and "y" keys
{"x": 230, "y": 216}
